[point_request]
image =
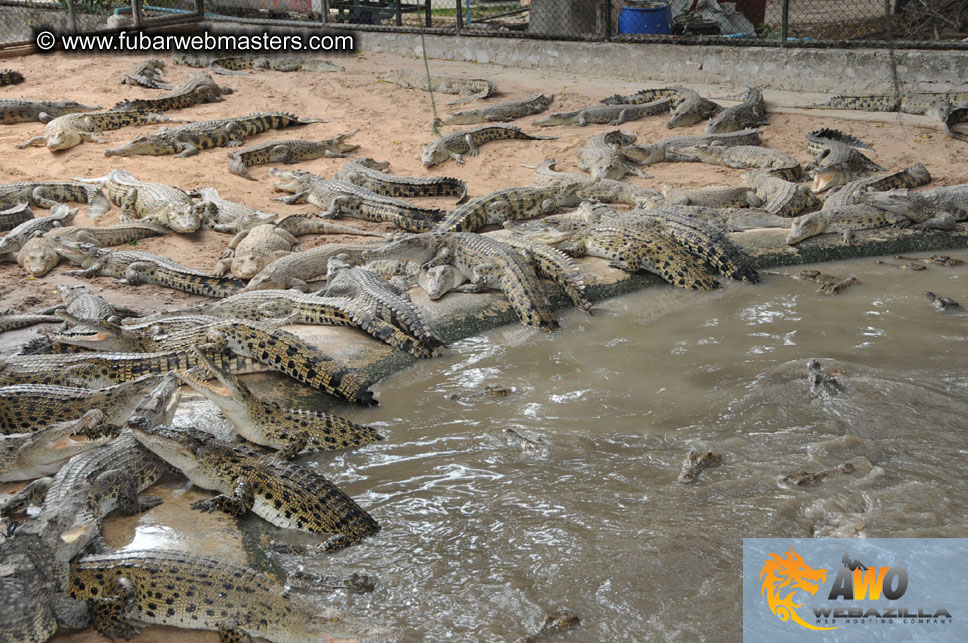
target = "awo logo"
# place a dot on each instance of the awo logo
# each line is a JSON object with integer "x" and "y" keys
{"x": 783, "y": 575}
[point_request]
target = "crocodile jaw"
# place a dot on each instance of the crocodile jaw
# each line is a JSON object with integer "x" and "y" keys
{"x": 803, "y": 228}
{"x": 37, "y": 257}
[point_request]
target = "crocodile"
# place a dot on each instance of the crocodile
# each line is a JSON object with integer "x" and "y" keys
{"x": 185, "y": 590}
{"x": 337, "y": 198}
{"x": 601, "y": 156}
{"x": 470, "y": 88}
{"x": 560, "y": 620}
{"x": 69, "y": 130}
{"x": 935, "y": 104}
{"x": 372, "y": 174}
{"x": 596, "y": 189}
{"x": 690, "y": 108}
{"x": 147, "y": 73}
{"x": 13, "y": 322}
{"x": 750, "y": 113}
{"x": 289, "y": 151}
{"x": 696, "y": 462}
{"x": 455, "y": 144}
{"x": 86, "y": 307}
{"x": 157, "y": 202}
{"x": 135, "y": 267}
{"x": 26, "y": 408}
{"x": 716, "y": 196}
{"x": 665, "y": 149}
{"x": 938, "y": 209}
{"x": 850, "y": 193}
{"x": 391, "y": 303}
{"x": 729, "y": 219}
{"x": 234, "y": 64}
{"x": 508, "y": 204}
{"x": 198, "y": 89}
{"x": 844, "y": 220}
{"x": 502, "y": 112}
{"x": 298, "y": 269}
{"x": 251, "y": 250}
{"x": 39, "y": 255}
{"x": 13, "y": 216}
{"x": 437, "y": 281}
{"x": 548, "y": 262}
{"x": 781, "y": 197}
{"x": 779, "y": 163}
{"x": 837, "y": 159}
{"x": 290, "y": 430}
{"x": 47, "y": 194}
{"x": 28, "y": 456}
{"x": 643, "y": 96}
{"x": 10, "y": 77}
{"x": 12, "y": 243}
{"x": 943, "y": 304}
{"x": 606, "y": 114}
{"x": 486, "y": 262}
{"x": 189, "y": 140}
{"x": 279, "y": 492}
{"x": 954, "y": 117}
{"x": 19, "y": 110}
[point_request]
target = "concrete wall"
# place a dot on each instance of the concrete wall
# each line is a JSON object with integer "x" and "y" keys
{"x": 808, "y": 70}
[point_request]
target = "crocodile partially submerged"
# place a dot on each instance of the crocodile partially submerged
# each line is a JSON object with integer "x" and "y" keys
{"x": 372, "y": 175}
{"x": 253, "y": 249}
{"x": 750, "y": 113}
{"x": 337, "y": 198}
{"x": 502, "y": 112}
{"x": 606, "y": 114}
{"x": 289, "y": 151}
{"x": 843, "y": 220}
{"x": 135, "y": 267}
{"x": 279, "y": 492}
{"x": 456, "y": 144}
{"x": 147, "y": 201}
{"x": 779, "y": 163}
{"x": 232, "y": 63}
{"x": 147, "y": 73}
{"x": 470, "y": 88}
{"x": 28, "y": 456}
{"x": 198, "y": 89}
{"x": 20, "y": 110}
{"x": 13, "y": 216}
{"x": 781, "y": 197}
{"x": 190, "y": 139}
{"x": 696, "y": 462}
{"x": 66, "y": 131}
{"x": 602, "y": 156}
{"x": 13, "y": 242}
{"x": 299, "y": 269}
{"x": 508, "y": 204}
{"x": 838, "y": 159}
{"x": 851, "y": 193}
{"x": 47, "y": 194}
{"x": 184, "y": 590}
{"x": 290, "y": 430}
{"x": 486, "y": 262}
{"x": 666, "y": 149}
{"x": 39, "y": 255}
{"x": 591, "y": 188}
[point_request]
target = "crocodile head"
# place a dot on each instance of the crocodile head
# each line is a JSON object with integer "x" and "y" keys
{"x": 434, "y": 153}
{"x": 372, "y": 164}
{"x": 182, "y": 448}
{"x": 418, "y": 248}
{"x": 186, "y": 218}
{"x": 292, "y": 180}
{"x": 62, "y": 139}
{"x": 805, "y": 226}
{"x": 38, "y": 257}
{"x": 232, "y": 397}
{"x": 828, "y": 177}
{"x": 325, "y": 623}
{"x": 439, "y": 280}
{"x": 67, "y": 292}
{"x": 146, "y": 144}
{"x": 644, "y": 154}
{"x": 78, "y": 252}
{"x": 46, "y": 450}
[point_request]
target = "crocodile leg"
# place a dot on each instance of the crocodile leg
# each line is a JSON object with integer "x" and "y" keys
{"x": 296, "y": 444}
{"x": 128, "y": 203}
{"x": 582, "y": 120}
{"x": 472, "y": 149}
{"x": 334, "y": 207}
{"x": 38, "y": 141}
{"x": 237, "y": 504}
{"x": 940, "y": 221}
{"x": 121, "y": 485}
{"x": 235, "y": 133}
{"x": 110, "y": 615}
{"x": 229, "y": 632}
{"x": 187, "y": 149}
{"x": 132, "y": 275}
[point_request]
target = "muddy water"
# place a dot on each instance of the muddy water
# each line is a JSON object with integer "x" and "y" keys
{"x": 484, "y": 531}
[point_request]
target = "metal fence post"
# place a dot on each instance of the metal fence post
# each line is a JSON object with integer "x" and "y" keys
{"x": 136, "y": 16}
{"x": 72, "y": 15}
{"x": 460, "y": 15}
{"x": 605, "y": 19}
{"x": 785, "y": 23}
{"x": 200, "y": 8}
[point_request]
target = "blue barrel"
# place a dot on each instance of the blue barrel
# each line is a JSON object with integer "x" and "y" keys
{"x": 655, "y": 19}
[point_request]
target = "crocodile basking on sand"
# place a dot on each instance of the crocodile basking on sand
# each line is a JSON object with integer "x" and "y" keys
{"x": 10, "y": 77}
{"x": 189, "y": 140}
{"x": 508, "y": 204}
{"x": 233, "y": 63}
{"x": 456, "y": 144}
{"x": 184, "y": 590}
{"x": 372, "y": 175}
{"x": 837, "y": 159}
{"x": 252, "y": 250}
{"x": 84, "y": 306}
{"x": 13, "y": 322}
{"x": 337, "y": 198}
{"x": 502, "y": 112}
{"x": 606, "y": 114}
{"x": 781, "y": 197}
{"x": 750, "y": 113}
{"x": 156, "y": 202}
{"x": 69, "y": 130}
{"x": 13, "y": 242}
{"x": 148, "y": 73}
{"x": 714, "y": 196}
{"x": 39, "y": 255}
{"x": 690, "y": 108}
{"x": 289, "y": 151}
{"x": 643, "y": 96}
{"x": 470, "y": 88}
{"x": 279, "y": 492}
{"x": 602, "y": 157}
{"x": 135, "y": 267}
{"x": 779, "y": 163}
{"x": 666, "y": 149}
{"x": 290, "y": 430}
{"x": 729, "y": 219}
{"x": 199, "y": 88}
{"x": 948, "y": 107}
{"x": 47, "y": 194}
{"x": 20, "y": 110}
{"x": 486, "y": 262}
{"x": 298, "y": 269}
{"x": 28, "y": 456}
{"x": 851, "y": 193}
{"x": 596, "y": 189}
{"x": 13, "y": 216}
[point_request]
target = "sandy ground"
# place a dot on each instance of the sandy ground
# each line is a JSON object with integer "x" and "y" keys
{"x": 394, "y": 124}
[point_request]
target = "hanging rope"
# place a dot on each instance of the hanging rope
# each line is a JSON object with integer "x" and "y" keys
{"x": 430, "y": 85}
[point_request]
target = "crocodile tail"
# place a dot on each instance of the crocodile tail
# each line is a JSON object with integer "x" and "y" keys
{"x": 836, "y": 135}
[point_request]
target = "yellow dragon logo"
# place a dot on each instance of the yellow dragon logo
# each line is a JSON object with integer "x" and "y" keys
{"x": 790, "y": 572}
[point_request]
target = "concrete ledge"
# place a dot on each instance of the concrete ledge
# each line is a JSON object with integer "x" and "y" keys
{"x": 810, "y": 70}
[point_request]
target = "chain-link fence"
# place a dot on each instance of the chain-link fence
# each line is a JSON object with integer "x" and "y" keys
{"x": 935, "y": 23}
